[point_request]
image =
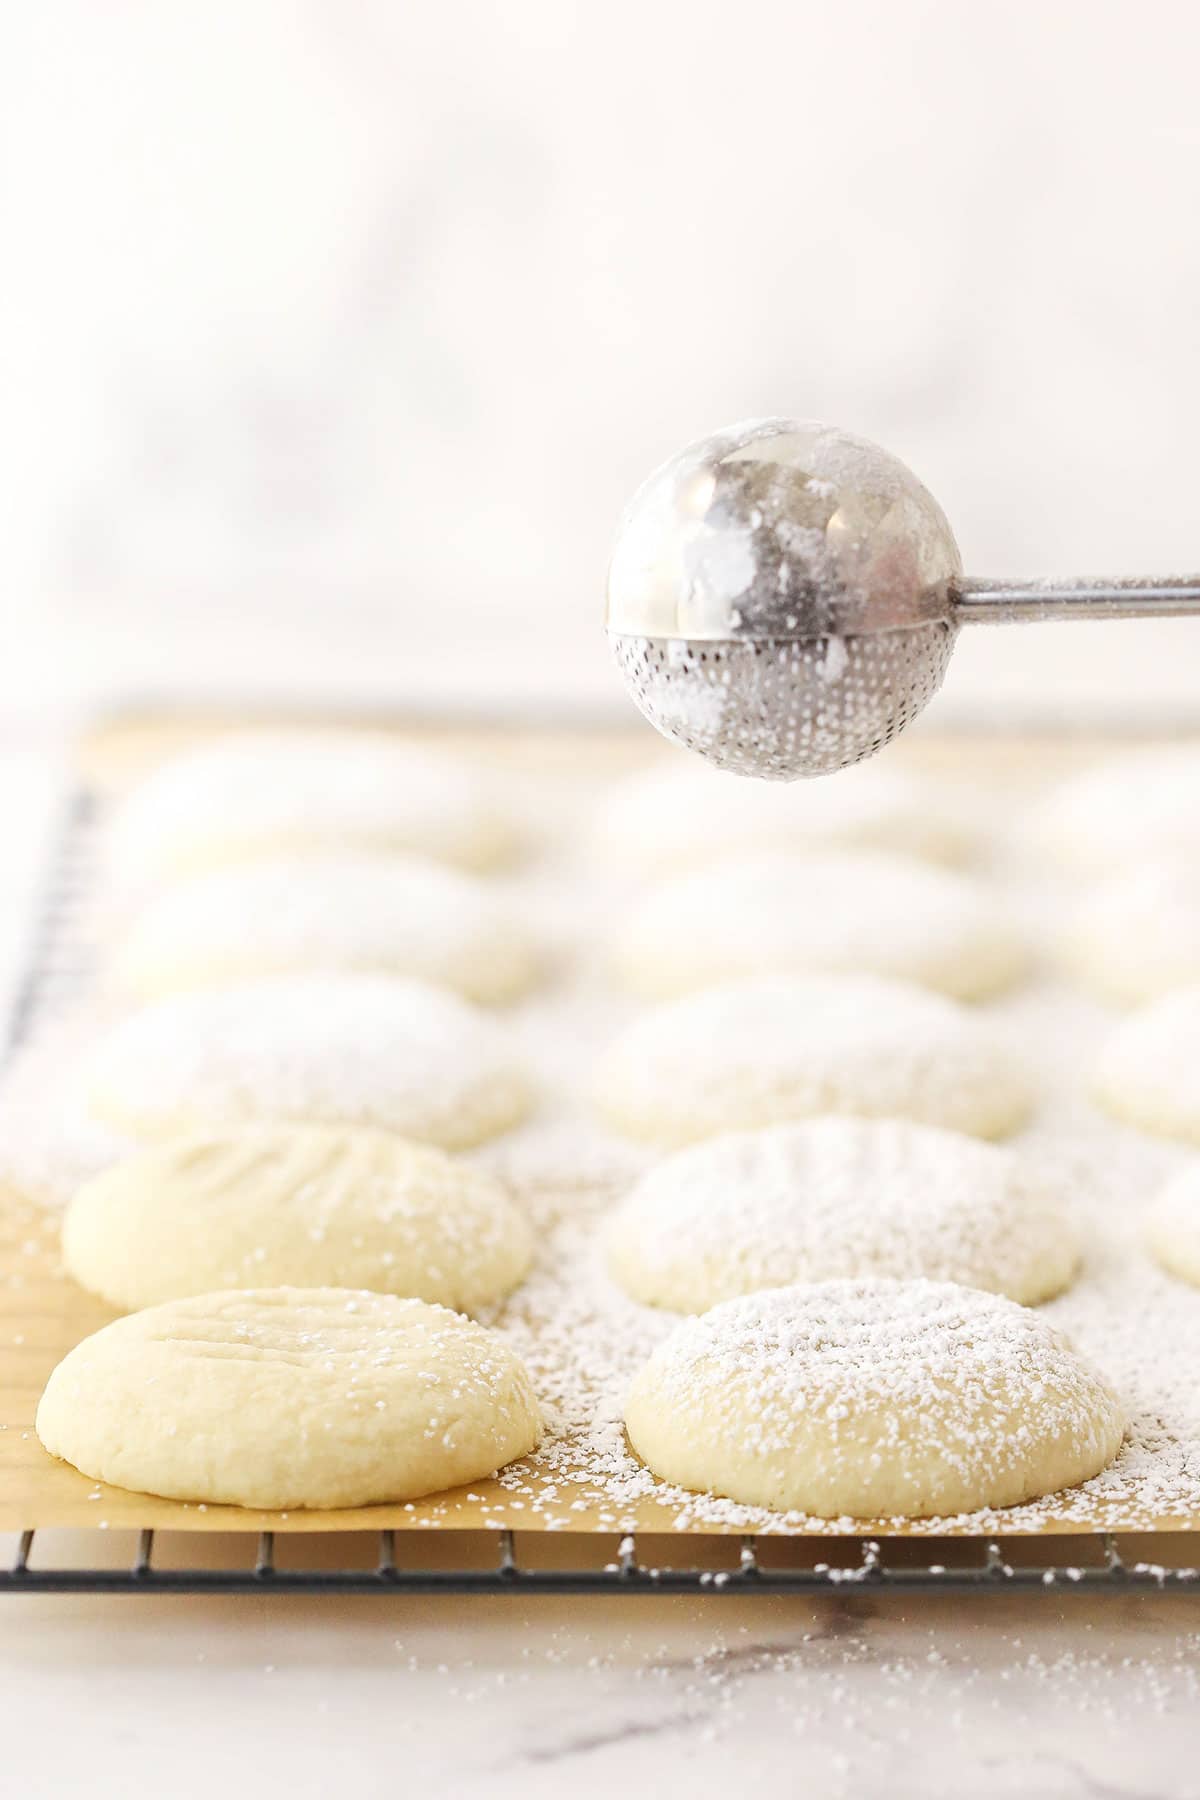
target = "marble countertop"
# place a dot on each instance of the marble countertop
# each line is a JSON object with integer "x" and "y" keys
{"x": 904, "y": 1698}
{"x": 863, "y": 1694}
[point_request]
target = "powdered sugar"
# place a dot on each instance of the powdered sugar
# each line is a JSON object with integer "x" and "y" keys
{"x": 1173, "y": 1225}
{"x": 556, "y": 1162}
{"x": 839, "y": 1347}
{"x": 796, "y": 913}
{"x": 1122, "y": 809}
{"x": 679, "y": 812}
{"x": 873, "y": 1398}
{"x": 765, "y": 1051}
{"x": 50, "y": 1140}
{"x": 839, "y": 1197}
{"x": 255, "y": 793}
{"x": 1149, "y": 1069}
{"x": 346, "y": 1049}
{"x": 584, "y": 1340}
{"x": 1137, "y": 935}
{"x": 399, "y": 915}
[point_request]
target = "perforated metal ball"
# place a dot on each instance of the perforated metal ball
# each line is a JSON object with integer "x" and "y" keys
{"x": 781, "y": 598}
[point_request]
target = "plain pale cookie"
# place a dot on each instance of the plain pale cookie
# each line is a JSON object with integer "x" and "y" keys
{"x": 331, "y": 1050}
{"x": 1124, "y": 809}
{"x": 254, "y": 794}
{"x": 295, "y": 1206}
{"x": 1173, "y": 1228}
{"x": 1149, "y": 1069}
{"x": 680, "y": 813}
{"x": 859, "y": 911}
{"x": 290, "y": 1397}
{"x": 1138, "y": 935}
{"x": 766, "y": 1052}
{"x": 323, "y": 914}
{"x": 872, "y": 1400}
{"x": 835, "y": 1198}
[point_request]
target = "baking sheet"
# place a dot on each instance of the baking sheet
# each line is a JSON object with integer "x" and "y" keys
{"x": 43, "y": 1314}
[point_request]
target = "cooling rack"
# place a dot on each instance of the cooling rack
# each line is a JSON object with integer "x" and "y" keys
{"x": 985, "y": 1569}
{"x": 502, "y": 1561}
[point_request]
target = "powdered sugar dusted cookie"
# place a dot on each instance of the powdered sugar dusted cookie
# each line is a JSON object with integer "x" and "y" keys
{"x": 256, "y": 794}
{"x": 295, "y": 1206}
{"x": 321, "y": 1049}
{"x": 1173, "y": 1227}
{"x": 872, "y": 1399}
{"x": 838, "y": 1197}
{"x": 769, "y": 1051}
{"x": 321, "y": 913}
{"x": 50, "y": 1142}
{"x": 290, "y": 1397}
{"x": 1137, "y": 935}
{"x": 1149, "y": 1069}
{"x": 1145, "y": 803}
{"x": 562, "y": 1161}
{"x": 858, "y": 910}
{"x": 680, "y": 813}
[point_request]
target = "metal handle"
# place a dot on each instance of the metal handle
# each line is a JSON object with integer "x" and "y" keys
{"x": 978, "y": 601}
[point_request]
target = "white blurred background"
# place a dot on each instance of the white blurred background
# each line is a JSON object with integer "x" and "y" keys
{"x": 338, "y": 331}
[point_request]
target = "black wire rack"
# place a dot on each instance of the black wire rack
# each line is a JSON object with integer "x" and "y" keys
{"x": 504, "y": 1562}
{"x": 982, "y": 1566}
